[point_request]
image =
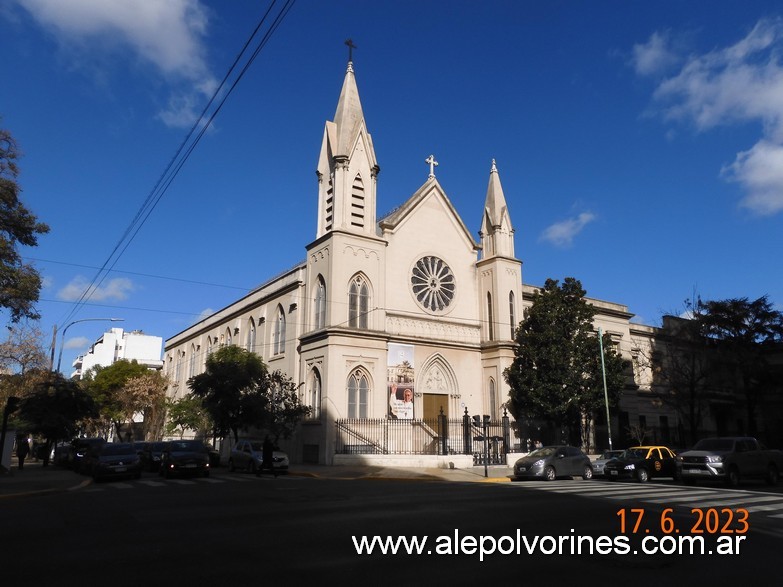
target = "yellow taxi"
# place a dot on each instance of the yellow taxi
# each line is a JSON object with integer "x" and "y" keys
{"x": 642, "y": 463}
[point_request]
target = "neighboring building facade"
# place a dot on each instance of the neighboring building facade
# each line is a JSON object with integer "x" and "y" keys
{"x": 116, "y": 344}
{"x": 385, "y": 309}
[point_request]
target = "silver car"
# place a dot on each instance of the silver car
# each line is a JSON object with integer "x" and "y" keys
{"x": 248, "y": 455}
{"x": 606, "y": 456}
{"x": 550, "y": 462}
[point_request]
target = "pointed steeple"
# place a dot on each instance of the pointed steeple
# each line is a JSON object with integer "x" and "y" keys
{"x": 347, "y": 168}
{"x": 497, "y": 234}
{"x": 349, "y": 116}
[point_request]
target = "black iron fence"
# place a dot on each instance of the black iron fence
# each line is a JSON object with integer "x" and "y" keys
{"x": 431, "y": 436}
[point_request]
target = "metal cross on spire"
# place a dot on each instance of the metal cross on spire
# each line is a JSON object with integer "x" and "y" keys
{"x": 433, "y": 164}
{"x": 351, "y": 47}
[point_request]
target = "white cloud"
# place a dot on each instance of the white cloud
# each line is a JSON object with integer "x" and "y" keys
{"x": 80, "y": 342}
{"x": 737, "y": 84}
{"x": 169, "y": 34}
{"x": 760, "y": 171}
{"x": 655, "y": 56}
{"x": 561, "y": 234}
{"x": 114, "y": 289}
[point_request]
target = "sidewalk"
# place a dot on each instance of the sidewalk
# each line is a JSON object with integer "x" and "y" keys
{"x": 36, "y": 479}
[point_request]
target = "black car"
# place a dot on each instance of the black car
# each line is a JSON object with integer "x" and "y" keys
{"x": 113, "y": 459}
{"x": 79, "y": 451}
{"x": 150, "y": 454}
{"x": 550, "y": 462}
{"x": 184, "y": 457}
{"x": 642, "y": 463}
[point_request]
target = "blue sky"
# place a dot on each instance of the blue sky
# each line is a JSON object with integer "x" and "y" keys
{"x": 640, "y": 144}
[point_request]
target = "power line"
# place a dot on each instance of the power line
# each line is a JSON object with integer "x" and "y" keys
{"x": 181, "y": 156}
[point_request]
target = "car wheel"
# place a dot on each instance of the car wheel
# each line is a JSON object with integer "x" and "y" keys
{"x": 231, "y": 465}
{"x": 251, "y": 467}
{"x": 549, "y": 474}
{"x": 773, "y": 475}
{"x": 732, "y": 477}
{"x": 689, "y": 481}
{"x": 587, "y": 473}
{"x": 206, "y": 474}
{"x": 642, "y": 475}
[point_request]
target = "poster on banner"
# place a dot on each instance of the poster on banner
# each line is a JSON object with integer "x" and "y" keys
{"x": 400, "y": 381}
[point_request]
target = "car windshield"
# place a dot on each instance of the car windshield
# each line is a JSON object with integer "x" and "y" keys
{"x": 547, "y": 451}
{"x": 257, "y": 446}
{"x": 157, "y": 446}
{"x": 714, "y": 444}
{"x": 635, "y": 453}
{"x": 611, "y": 454}
{"x": 112, "y": 449}
{"x": 189, "y": 445}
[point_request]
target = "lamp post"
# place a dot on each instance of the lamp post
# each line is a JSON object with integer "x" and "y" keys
{"x": 62, "y": 339}
{"x": 606, "y": 394}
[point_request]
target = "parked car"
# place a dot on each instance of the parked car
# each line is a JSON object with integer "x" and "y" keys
{"x": 642, "y": 463}
{"x": 247, "y": 455}
{"x": 730, "y": 459}
{"x": 550, "y": 462}
{"x": 113, "y": 459}
{"x": 150, "y": 454}
{"x": 606, "y": 456}
{"x": 184, "y": 457}
{"x": 79, "y": 450}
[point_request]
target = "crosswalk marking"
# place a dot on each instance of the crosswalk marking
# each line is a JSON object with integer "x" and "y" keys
{"x": 766, "y": 505}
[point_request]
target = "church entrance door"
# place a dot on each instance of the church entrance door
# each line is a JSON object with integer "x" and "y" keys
{"x": 433, "y": 402}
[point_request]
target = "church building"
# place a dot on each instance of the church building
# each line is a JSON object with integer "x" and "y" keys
{"x": 402, "y": 318}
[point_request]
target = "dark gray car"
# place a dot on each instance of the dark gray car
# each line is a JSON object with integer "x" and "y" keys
{"x": 550, "y": 462}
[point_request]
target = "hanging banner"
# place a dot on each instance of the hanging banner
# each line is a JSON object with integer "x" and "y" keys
{"x": 400, "y": 381}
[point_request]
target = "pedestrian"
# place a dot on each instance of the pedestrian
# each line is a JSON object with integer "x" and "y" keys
{"x": 22, "y": 450}
{"x": 267, "y": 457}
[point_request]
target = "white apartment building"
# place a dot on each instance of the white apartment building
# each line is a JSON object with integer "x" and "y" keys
{"x": 116, "y": 344}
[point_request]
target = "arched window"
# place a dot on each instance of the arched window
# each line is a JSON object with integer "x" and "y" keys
{"x": 279, "y": 342}
{"x": 210, "y": 347}
{"x": 358, "y": 303}
{"x": 512, "y": 313}
{"x": 493, "y": 400}
{"x": 251, "y": 336}
{"x": 228, "y": 337}
{"x": 178, "y": 366}
{"x": 358, "y": 390}
{"x": 320, "y": 303}
{"x": 314, "y": 392}
{"x": 490, "y": 317}
{"x": 192, "y": 362}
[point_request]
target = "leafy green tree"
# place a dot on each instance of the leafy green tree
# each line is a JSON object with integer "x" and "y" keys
{"x": 116, "y": 402}
{"x": 20, "y": 283}
{"x": 556, "y": 375}
{"x": 186, "y": 413}
{"x": 55, "y": 409}
{"x": 741, "y": 330}
{"x": 231, "y": 389}
{"x": 286, "y": 409}
{"x": 240, "y": 393}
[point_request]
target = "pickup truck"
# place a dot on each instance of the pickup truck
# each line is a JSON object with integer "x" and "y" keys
{"x": 730, "y": 459}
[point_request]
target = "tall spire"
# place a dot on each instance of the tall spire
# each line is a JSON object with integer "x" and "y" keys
{"x": 497, "y": 234}
{"x": 347, "y": 170}
{"x": 349, "y": 115}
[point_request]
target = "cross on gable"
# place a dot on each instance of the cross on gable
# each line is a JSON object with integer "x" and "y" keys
{"x": 433, "y": 164}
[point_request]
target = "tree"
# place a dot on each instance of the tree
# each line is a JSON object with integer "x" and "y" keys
{"x": 286, "y": 409}
{"x": 186, "y": 413}
{"x": 117, "y": 403}
{"x": 230, "y": 389}
{"x": 240, "y": 393}
{"x": 682, "y": 368}
{"x": 20, "y": 283}
{"x": 23, "y": 362}
{"x": 556, "y": 373}
{"x": 145, "y": 393}
{"x": 55, "y": 409}
{"x": 740, "y": 330}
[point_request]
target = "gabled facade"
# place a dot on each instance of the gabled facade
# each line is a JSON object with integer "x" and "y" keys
{"x": 409, "y": 302}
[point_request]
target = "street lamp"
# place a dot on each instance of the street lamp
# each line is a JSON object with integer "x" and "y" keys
{"x": 62, "y": 339}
